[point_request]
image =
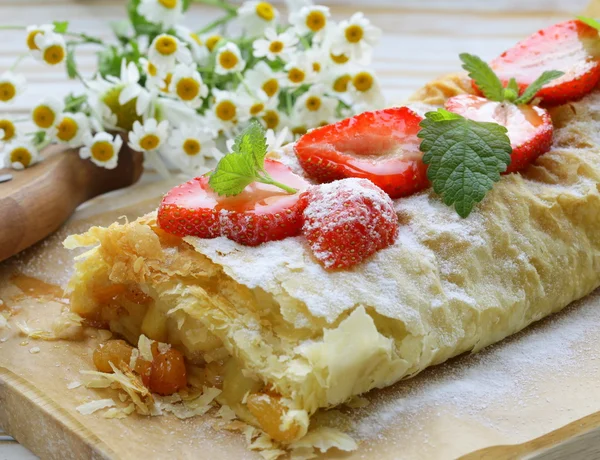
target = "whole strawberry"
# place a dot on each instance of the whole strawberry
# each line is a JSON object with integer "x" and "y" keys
{"x": 347, "y": 221}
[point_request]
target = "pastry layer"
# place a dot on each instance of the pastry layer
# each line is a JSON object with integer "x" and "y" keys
{"x": 280, "y": 324}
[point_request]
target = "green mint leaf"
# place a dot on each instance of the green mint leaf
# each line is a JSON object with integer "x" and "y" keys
{"x": 483, "y": 75}
{"x": 589, "y": 21}
{"x": 540, "y": 82}
{"x": 61, "y": 27}
{"x": 233, "y": 174}
{"x": 443, "y": 114}
{"x": 465, "y": 158}
{"x": 252, "y": 141}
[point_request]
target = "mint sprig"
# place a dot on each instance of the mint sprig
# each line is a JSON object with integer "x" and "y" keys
{"x": 244, "y": 165}
{"x": 465, "y": 157}
{"x": 491, "y": 86}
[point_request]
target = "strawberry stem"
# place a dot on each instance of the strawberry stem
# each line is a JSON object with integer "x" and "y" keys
{"x": 266, "y": 179}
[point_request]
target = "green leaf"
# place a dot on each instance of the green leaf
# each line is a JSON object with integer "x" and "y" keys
{"x": 465, "y": 158}
{"x": 140, "y": 25}
{"x": 233, "y": 174}
{"x": 252, "y": 141}
{"x": 71, "y": 64}
{"x": 186, "y": 5}
{"x": 61, "y": 27}
{"x": 485, "y": 78}
{"x": 589, "y": 21}
{"x": 540, "y": 82}
{"x": 109, "y": 61}
{"x": 511, "y": 92}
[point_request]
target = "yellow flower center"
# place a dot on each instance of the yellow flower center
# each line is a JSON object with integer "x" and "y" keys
{"x": 151, "y": 69}
{"x": 339, "y": 58}
{"x": 340, "y": 84}
{"x": 54, "y": 54}
{"x": 354, "y": 33}
{"x": 194, "y": 36}
{"x": 212, "y": 41}
{"x": 226, "y": 110}
{"x": 170, "y": 4}
{"x": 7, "y": 91}
{"x": 126, "y": 114}
{"x": 228, "y": 59}
{"x": 102, "y": 151}
{"x": 67, "y": 129}
{"x": 43, "y": 116}
{"x": 316, "y": 20}
{"x": 276, "y": 46}
{"x": 363, "y": 81}
{"x": 299, "y": 130}
{"x": 313, "y": 103}
{"x": 270, "y": 87}
{"x": 166, "y": 45}
{"x": 21, "y": 155}
{"x": 9, "y": 129}
{"x": 191, "y": 147}
{"x": 296, "y": 75}
{"x": 257, "y": 108}
{"x": 316, "y": 66}
{"x": 166, "y": 83}
{"x": 31, "y": 39}
{"x": 271, "y": 119}
{"x": 149, "y": 141}
{"x": 187, "y": 89}
{"x": 265, "y": 11}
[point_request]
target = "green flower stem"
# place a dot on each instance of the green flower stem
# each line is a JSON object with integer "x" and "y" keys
{"x": 288, "y": 102}
{"x": 240, "y": 77}
{"x": 18, "y": 61}
{"x": 13, "y": 27}
{"x": 219, "y": 4}
{"x": 305, "y": 43}
{"x": 266, "y": 179}
{"x": 75, "y": 102}
{"x": 43, "y": 144}
{"x": 219, "y": 22}
{"x": 86, "y": 38}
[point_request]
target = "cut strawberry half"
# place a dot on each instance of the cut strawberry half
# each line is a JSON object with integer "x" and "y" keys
{"x": 259, "y": 214}
{"x": 529, "y": 128}
{"x": 347, "y": 221}
{"x": 571, "y": 47}
{"x": 381, "y": 146}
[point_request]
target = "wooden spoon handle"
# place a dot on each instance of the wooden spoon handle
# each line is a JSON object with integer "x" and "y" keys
{"x": 39, "y": 199}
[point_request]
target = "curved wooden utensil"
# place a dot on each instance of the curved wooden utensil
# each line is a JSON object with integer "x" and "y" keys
{"x": 39, "y": 199}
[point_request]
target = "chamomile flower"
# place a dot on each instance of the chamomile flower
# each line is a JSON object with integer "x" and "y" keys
{"x": 150, "y": 70}
{"x": 70, "y": 129}
{"x": 191, "y": 147}
{"x": 226, "y": 112}
{"x": 193, "y": 41}
{"x": 299, "y": 71}
{"x": 51, "y": 48}
{"x": 256, "y": 16}
{"x": 366, "y": 91}
{"x": 317, "y": 58}
{"x": 8, "y": 130}
{"x": 165, "y": 50}
{"x": 20, "y": 155}
{"x": 11, "y": 85}
{"x": 33, "y": 31}
{"x": 272, "y": 118}
{"x": 188, "y": 86}
{"x": 316, "y": 107}
{"x": 355, "y": 37}
{"x": 211, "y": 41}
{"x": 102, "y": 149}
{"x": 311, "y": 19}
{"x": 275, "y": 45}
{"x": 150, "y": 136}
{"x": 229, "y": 59}
{"x": 339, "y": 81}
{"x": 46, "y": 113}
{"x": 256, "y": 105}
{"x": 165, "y": 12}
{"x": 264, "y": 80}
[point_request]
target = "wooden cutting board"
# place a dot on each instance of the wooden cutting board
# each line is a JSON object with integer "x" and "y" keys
{"x": 551, "y": 412}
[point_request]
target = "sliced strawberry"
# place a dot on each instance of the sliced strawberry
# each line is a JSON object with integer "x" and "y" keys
{"x": 347, "y": 221}
{"x": 572, "y": 47}
{"x": 381, "y": 146}
{"x": 529, "y": 128}
{"x": 260, "y": 213}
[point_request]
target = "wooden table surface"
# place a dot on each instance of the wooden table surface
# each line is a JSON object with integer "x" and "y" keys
{"x": 421, "y": 40}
